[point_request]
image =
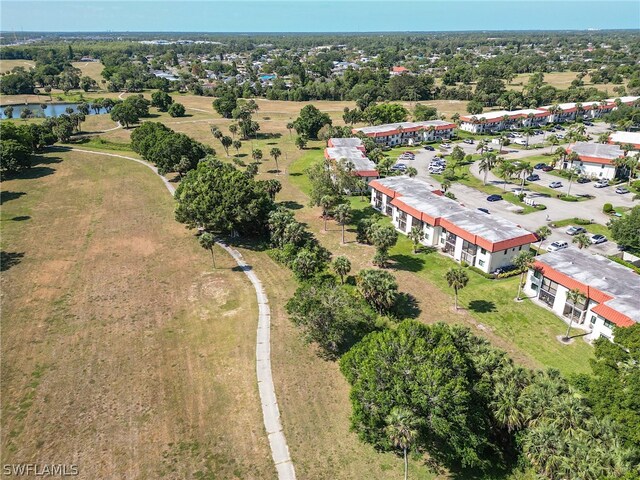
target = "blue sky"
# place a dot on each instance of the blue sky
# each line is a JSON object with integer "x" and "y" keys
{"x": 316, "y": 16}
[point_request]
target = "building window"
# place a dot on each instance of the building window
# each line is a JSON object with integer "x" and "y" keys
{"x": 481, "y": 263}
{"x": 389, "y": 210}
{"x": 577, "y": 311}
{"x": 609, "y": 325}
{"x": 593, "y": 319}
{"x": 548, "y": 291}
{"x": 402, "y": 220}
{"x": 378, "y": 200}
{"x": 450, "y": 244}
{"x": 416, "y": 223}
{"x": 537, "y": 274}
{"x": 469, "y": 251}
{"x": 483, "y": 251}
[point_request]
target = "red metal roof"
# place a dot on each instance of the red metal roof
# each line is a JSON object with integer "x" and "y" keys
{"x": 366, "y": 173}
{"x": 612, "y": 315}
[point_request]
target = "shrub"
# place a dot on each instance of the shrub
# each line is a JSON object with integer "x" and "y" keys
{"x": 581, "y": 221}
{"x": 511, "y": 273}
{"x": 625, "y": 263}
{"x": 607, "y": 208}
{"x": 636, "y": 185}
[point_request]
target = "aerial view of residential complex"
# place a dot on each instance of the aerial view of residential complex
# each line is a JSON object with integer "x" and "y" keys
{"x": 320, "y": 239}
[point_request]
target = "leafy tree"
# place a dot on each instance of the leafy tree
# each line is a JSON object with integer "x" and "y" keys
{"x": 307, "y": 263}
{"x": 378, "y": 288}
{"x": 523, "y": 261}
{"x": 310, "y": 121}
{"x": 14, "y": 157}
{"x": 225, "y": 104}
{"x": 383, "y": 237}
{"x": 416, "y": 235}
{"x": 177, "y": 110}
{"x": 8, "y": 112}
{"x": 385, "y": 113}
{"x": 424, "y": 112}
{"x": 457, "y": 279}
{"x": 330, "y": 317}
{"x": 125, "y": 114}
{"x": 474, "y": 107}
{"x": 161, "y": 100}
{"x": 626, "y": 230}
{"x": 342, "y": 267}
{"x": 301, "y": 142}
{"x": 343, "y": 214}
{"x": 207, "y": 241}
{"x": 220, "y": 198}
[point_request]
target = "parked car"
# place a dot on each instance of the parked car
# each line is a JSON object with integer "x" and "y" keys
{"x": 598, "y": 238}
{"x": 533, "y": 177}
{"x": 401, "y": 167}
{"x": 547, "y": 168}
{"x": 601, "y": 184}
{"x": 622, "y": 190}
{"x": 484, "y": 210}
{"x": 590, "y": 124}
{"x": 584, "y": 180}
{"x": 559, "y": 127}
{"x": 517, "y": 135}
{"x": 539, "y": 166}
{"x": 560, "y": 136}
{"x": 555, "y": 246}
{"x": 494, "y": 198}
{"x": 468, "y": 140}
{"x": 575, "y": 230}
{"x": 445, "y": 145}
{"x": 555, "y": 185}
{"x": 429, "y": 148}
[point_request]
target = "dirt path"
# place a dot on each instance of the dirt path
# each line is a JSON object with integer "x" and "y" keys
{"x": 270, "y": 410}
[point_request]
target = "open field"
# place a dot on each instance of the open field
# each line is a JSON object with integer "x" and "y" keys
{"x": 122, "y": 350}
{"x": 561, "y": 80}
{"x": 91, "y": 69}
{"x": 8, "y": 65}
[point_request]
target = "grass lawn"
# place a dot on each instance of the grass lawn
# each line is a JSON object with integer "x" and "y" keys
{"x": 123, "y": 351}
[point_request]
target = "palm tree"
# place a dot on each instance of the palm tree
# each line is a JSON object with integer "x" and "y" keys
{"x": 543, "y": 233}
{"x": 573, "y": 171}
{"x": 275, "y": 153}
{"x": 416, "y": 235}
{"x": 482, "y": 145}
{"x": 524, "y": 261}
{"x": 506, "y": 170}
{"x": 487, "y": 162}
{"x": 326, "y": 202}
{"x": 582, "y": 240}
{"x": 527, "y": 131}
{"x": 256, "y": 154}
{"x": 402, "y": 430}
{"x": 342, "y": 214}
{"x": 574, "y": 296}
{"x": 524, "y": 169}
{"x": 237, "y": 144}
{"x": 632, "y": 162}
{"x": 342, "y": 267}
{"x": 233, "y": 129}
{"x": 226, "y": 142}
{"x": 603, "y": 137}
{"x": 445, "y": 184}
{"x": 553, "y": 140}
{"x": 457, "y": 279}
{"x": 207, "y": 241}
{"x": 290, "y": 127}
{"x": 412, "y": 172}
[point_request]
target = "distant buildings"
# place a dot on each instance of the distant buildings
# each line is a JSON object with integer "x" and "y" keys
{"x": 408, "y": 133}
{"x": 597, "y": 160}
{"x": 495, "y": 121}
{"x": 612, "y": 291}
{"x": 626, "y": 138}
{"x": 350, "y": 151}
{"x": 399, "y": 70}
{"x": 480, "y": 240}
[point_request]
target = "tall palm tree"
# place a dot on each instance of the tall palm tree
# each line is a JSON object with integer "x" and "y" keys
{"x": 604, "y": 137}
{"x": 326, "y": 202}
{"x": 237, "y": 144}
{"x": 207, "y": 241}
{"x": 275, "y": 153}
{"x": 402, "y": 430}
{"x": 342, "y": 214}
{"x": 543, "y": 233}
{"x": 457, "y": 279}
{"x": 573, "y": 171}
{"x": 487, "y": 162}
{"x": 527, "y": 131}
{"x": 574, "y": 296}
{"x": 524, "y": 169}
{"x": 523, "y": 261}
{"x": 482, "y": 145}
{"x": 416, "y": 235}
{"x": 553, "y": 140}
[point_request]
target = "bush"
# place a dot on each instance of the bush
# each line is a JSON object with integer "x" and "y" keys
{"x": 636, "y": 185}
{"x": 581, "y": 221}
{"x": 607, "y": 208}
{"x": 511, "y": 273}
{"x": 625, "y": 263}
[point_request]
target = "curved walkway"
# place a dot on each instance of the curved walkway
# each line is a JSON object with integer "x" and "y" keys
{"x": 270, "y": 410}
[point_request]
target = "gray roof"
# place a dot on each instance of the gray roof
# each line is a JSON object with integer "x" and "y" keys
{"x": 419, "y": 195}
{"x": 601, "y": 273}
{"x": 390, "y": 127}
{"x": 597, "y": 150}
{"x": 346, "y": 142}
{"x": 351, "y": 154}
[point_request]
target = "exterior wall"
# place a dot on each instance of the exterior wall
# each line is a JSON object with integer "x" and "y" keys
{"x": 592, "y": 170}
{"x": 502, "y": 258}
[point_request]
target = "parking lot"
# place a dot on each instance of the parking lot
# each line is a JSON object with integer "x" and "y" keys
{"x": 556, "y": 209}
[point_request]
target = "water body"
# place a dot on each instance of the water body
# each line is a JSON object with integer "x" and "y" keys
{"x": 52, "y": 110}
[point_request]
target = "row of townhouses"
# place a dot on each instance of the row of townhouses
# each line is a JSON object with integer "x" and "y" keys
{"x": 611, "y": 291}
{"x": 408, "y": 133}
{"x": 498, "y": 120}
{"x": 483, "y": 241}
{"x": 351, "y": 152}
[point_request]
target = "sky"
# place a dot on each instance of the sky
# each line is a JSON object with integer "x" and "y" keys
{"x": 316, "y": 16}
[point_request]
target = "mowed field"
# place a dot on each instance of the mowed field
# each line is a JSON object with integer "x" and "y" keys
{"x": 561, "y": 80}
{"x": 123, "y": 351}
{"x": 8, "y": 65}
{"x": 91, "y": 69}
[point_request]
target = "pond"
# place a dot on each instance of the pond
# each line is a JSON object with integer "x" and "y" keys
{"x": 52, "y": 109}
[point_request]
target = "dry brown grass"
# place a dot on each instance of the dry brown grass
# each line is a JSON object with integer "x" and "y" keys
{"x": 561, "y": 80}
{"x": 122, "y": 351}
{"x": 91, "y": 69}
{"x": 8, "y": 65}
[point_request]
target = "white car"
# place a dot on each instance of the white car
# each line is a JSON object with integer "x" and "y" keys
{"x": 555, "y": 246}
{"x": 601, "y": 184}
{"x": 555, "y": 185}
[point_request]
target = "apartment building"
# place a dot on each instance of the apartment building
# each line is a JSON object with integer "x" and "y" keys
{"x": 596, "y": 160}
{"x": 484, "y": 241}
{"x": 408, "y": 133}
